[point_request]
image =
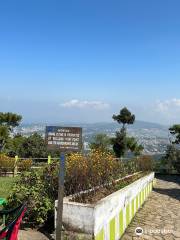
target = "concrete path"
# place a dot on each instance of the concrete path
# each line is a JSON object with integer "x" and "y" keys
{"x": 160, "y": 215}
{"x": 31, "y": 234}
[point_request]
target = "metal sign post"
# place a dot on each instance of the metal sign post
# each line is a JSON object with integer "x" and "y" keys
{"x": 60, "y": 197}
{"x": 66, "y": 140}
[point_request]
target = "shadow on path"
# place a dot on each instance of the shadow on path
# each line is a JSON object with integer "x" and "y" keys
{"x": 169, "y": 178}
{"x": 173, "y": 192}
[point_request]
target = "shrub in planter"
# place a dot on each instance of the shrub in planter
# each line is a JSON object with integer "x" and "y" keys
{"x": 145, "y": 163}
{"x": 84, "y": 172}
{"x": 40, "y": 188}
{"x": 130, "y": 166}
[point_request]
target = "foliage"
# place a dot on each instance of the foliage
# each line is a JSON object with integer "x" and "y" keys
{"x": 13, "y": 145}
{"x": 100, "y": 141}
{"x": 31, "y": 188}
{"x": 7, "y": 164}
{"x": 32, "y": 147}
{"x": 84, "y": 172}
{"x": 124, "y": 117}
{"x": 28, "y": 147}
{"x": 24, "y": 165}
{"x": 7, "y": 122}
{"x": 10, "y": 120}
{"x": 171, "y": 160}
{"x": 4, "y": 134}
{"x": 176, "y": 163}
{"x": 145, "y": 163}
{"x": 40, "y": 189}
{"x": 130, "y": 166}
{"x": 120, "y": 143}
{"x": 105, "y": 190}
{"x": 169, "y": 157}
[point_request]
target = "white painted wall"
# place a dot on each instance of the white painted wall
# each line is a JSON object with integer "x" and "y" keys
{"x": 89, "y": 218}
{"x": 77, "y": 216}
{"x": 109, "y": 207}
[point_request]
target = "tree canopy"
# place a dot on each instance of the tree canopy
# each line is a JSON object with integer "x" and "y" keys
{"x": 33, "y": 146}
{"x": 7, "y": 122}
{"x": 10, "y": 120}
{"x": 124, "y": 117}
{"x": 175, "y": 131}
{"x": 122, "y": 143}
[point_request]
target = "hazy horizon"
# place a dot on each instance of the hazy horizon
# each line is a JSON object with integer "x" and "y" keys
{"x": 89, "y": 123}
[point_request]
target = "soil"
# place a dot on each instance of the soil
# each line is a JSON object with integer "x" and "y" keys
{"x": 92, "y": 197}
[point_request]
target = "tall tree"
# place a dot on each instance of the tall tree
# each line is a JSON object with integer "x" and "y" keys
{"x": 7, "y": 122}
{"x": 125, "y": 117}
{"x": 120, "y": 142}
{"x": 175, "y": 131}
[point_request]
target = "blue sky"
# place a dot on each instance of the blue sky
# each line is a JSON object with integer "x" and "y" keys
{"x": 84, "y": 60}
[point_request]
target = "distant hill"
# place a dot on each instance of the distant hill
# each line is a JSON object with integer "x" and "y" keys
{"x": 143, "y": 124}
{"x": 137, "y": 124}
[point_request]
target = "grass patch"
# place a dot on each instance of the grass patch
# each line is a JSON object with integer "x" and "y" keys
{"x": 6, "y": 184}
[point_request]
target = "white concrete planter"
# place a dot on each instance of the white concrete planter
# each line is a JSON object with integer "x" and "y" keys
{"x": 109, "y": 217}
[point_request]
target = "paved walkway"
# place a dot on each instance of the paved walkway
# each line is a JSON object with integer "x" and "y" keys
{"x": 30, "y": 234}
{"x": 160, "y": 216}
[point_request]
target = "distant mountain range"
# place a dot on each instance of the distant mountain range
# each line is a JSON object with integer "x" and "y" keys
{"x": 102, "y": 125}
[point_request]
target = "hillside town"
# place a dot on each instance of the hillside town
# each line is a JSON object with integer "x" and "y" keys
{"x": 153, "y": 137}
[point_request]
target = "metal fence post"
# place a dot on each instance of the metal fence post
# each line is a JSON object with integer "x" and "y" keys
{"x": 49, "y": 159}
{"x": 15, "y": 165}
{"x": 60, "y": 197}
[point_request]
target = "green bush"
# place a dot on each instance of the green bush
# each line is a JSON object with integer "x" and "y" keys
{"x": 31, "y": 188}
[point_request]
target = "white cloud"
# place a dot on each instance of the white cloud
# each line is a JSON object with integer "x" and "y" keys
{"x": 168, "y": 105}
{"x": 75, "y": 103}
